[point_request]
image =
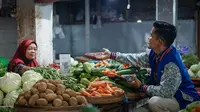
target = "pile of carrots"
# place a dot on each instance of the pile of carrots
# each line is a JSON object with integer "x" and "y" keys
{"x": 101, "y": 88}
{"x": 109, "y": 72}
{"x": 102, "y": 63}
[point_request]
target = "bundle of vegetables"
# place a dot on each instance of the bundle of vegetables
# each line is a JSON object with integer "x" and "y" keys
{"x": 101, "y": 88}
{"x": 141, "y": 73}
{"x": 194, "y": 71}
{"x": 82, "y": 75}
{"x": 193, "y": 107}
{"x": 50, "y": 93}
{"x": 48, "y": 72}
{"x": 71, "y": 82}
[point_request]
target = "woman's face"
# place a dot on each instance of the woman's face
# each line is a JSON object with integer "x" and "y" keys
{"x": 31, "y": 51}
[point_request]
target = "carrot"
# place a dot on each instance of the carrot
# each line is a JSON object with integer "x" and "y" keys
{"x": 95, "y": 93}
{"x": 100, "y": 91}
{"x": 98, "y": 83}
{"x": 85, "y": 93}
{"x": 107, "y": 91}
{"x": 93, "y": 89}
{"x": 109, "y": 88}
{"x": 114, "y": 88}
{"x": 106, "y": 94}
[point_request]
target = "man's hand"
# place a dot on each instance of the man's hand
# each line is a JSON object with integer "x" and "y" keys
{"x": 136, "y": 83}
{"x": 106, "y": 55}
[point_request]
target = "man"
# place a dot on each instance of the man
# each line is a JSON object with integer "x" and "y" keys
{"x": 170, "y": 85}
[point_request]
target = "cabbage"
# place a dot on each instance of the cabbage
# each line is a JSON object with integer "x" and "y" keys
{"x": 11, "y": 98}
{"x": 192, "y": 75}
{"x": 195, "y": 68}
{"x": 10, "y": 82}
{"x": 1, "y": 97}
{"x": 31, "y": 75}
{"x": 28, "y": 85}
{"x": 198, "y": 74}
{"x": 73, "y": 62}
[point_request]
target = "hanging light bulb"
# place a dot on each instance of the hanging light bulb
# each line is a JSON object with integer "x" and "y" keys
{"x": 128, "y": 5}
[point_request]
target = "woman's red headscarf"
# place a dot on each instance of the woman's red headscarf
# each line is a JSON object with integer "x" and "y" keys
{"x": 20, "y": 56}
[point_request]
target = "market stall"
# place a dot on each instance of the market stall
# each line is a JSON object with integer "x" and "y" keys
{"x": 97, "y": 82}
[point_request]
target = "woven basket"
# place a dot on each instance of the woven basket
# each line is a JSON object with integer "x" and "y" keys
{"x": 19, "y": 108}
{"x": 105, "y": 100}
{"x": 135, "y": 95}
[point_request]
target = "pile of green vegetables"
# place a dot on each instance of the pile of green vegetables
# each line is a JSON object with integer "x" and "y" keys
{"x": 6, "y": 109}
{"x": 48, "y": 72}
{"x": 190, "y": 59}
{"x": 82, "y": 74}
{"x": 3, "y": 69}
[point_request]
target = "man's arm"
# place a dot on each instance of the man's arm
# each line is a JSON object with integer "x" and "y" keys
{"x": 169, "y": 84}
{"x": 135, "y": 59}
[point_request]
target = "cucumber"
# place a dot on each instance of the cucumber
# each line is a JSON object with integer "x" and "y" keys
{"x": 130, "y": 70}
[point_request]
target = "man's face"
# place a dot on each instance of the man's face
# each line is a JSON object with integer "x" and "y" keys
{"x": 154, "y": 41}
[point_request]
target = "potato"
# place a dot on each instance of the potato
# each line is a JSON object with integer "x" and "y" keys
{"x": 65, "y": 103}
{"x": 22, "y": 101}
{"x": 51, "y": 86}
{"x": 21, "y": 94}
{"x": 44, "y": 80}
{"x": 34, "y": 91}
{"x": 27, "y": 95}
{"x": 71, "y": 93}
{"x": 51, "y": 96}
{"x": 41, "y": 102}
{"x": 66, "y": 97}
{"x": 33, "y": 99}
{"x": 60, "y": 97}
{"x": 57, "y": 102}
{"x": 36, "y": 84}
{"x": 73, "y": 101}
{"x": 48, "y": 91}
{"x": 42, "y": 87}
{"x": 42, "y": 95}
{"x": 55, "y": 82}
{"x": 60, "y": 89}
{"x": 81, "y": 100}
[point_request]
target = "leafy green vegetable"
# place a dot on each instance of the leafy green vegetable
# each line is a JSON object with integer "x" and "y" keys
{"x": 3, "y": 69}
{"x": 84, "y": 75}
{"x": 190, "y": 59}
{"x": 10, "y": 82}
{"x": 85, "y": 81}
{"x": 6, "y": 109}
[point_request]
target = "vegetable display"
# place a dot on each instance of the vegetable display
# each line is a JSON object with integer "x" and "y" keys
{"x": 50, "y": 93}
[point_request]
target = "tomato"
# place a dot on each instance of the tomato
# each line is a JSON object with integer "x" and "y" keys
{"x": 198, "y": 108}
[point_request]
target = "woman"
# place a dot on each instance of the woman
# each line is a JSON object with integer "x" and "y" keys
{"x": 24, "y": 58}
